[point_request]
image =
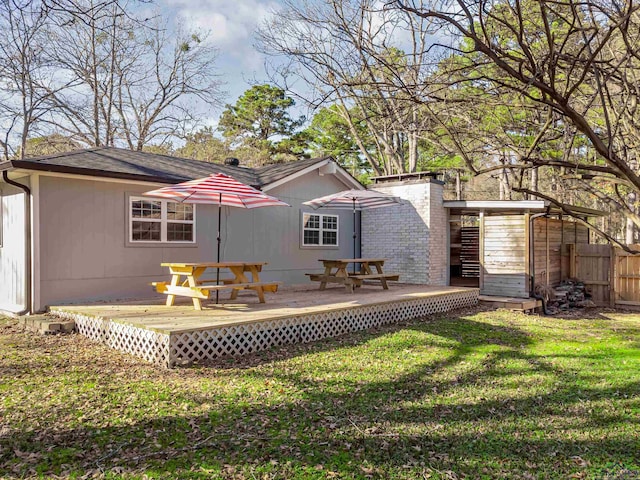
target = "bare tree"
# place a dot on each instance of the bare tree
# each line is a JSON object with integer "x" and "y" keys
{"x": 578, "y": 58}
{"x": 87, "y": 52}
{"x": 350, "y": 53}
{"x": 136, "y": 83}
{"x": 171, "y": 75}
{"x": 25, "y": 74}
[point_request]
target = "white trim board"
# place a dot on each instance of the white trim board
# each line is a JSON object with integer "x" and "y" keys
{"x": 499, "y": 204}
{"x": 343, "y": 176}
{"x": 90, "y": 178}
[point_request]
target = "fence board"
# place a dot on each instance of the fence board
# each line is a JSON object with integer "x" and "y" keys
{"x": 591, "y": 264}
{"x": 627, "y": 277}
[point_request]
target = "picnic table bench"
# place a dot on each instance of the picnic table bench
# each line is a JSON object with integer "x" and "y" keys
{"x": 197, "y": 288}
{"x": 335, "y": 271}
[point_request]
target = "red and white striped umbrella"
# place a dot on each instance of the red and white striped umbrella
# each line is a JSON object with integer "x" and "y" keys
{"x": 217, "y": 189}
{"x": 355, "y": 200}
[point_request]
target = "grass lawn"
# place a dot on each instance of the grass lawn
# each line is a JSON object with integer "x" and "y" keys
{"x": 472, "y": 394}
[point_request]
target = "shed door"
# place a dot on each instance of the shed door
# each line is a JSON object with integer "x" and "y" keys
{"x": 504, "y": 256}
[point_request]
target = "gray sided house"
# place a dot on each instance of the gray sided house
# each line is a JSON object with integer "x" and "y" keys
{"x": 74, "y": 226}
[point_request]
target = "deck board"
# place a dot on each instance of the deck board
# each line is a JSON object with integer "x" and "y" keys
{"x": 153, "y": 314}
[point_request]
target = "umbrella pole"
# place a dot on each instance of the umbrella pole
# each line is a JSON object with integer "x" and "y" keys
{"x": 354, "y": 235}
{"x": 218, "y": 259}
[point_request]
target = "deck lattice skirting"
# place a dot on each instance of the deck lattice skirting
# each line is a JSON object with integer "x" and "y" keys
{"x": 147, "y": 344}
{"x": 174, "y": 348}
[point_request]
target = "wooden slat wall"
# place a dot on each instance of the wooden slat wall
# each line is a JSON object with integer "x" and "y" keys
{"x": 550, "y": 237}
{"x": 469, "y": 252}
{"x": 593, "y": 268}
{"x": 504, "y": 256}
{"x": 600, "y": 265}
{"x": 627, "y": 277}
{"x": 572, "y": 233}
{"x": 547, "y": 238}
{"x": 611, "y": 274}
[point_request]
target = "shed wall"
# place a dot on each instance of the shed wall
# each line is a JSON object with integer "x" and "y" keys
{"x": 85, "y": 254}
{"x": 550, "y": 234}
{"x": 504, "y": 257}
{"x": 12, "y": 248}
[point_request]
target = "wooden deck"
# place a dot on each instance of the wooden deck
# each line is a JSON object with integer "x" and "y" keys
{"x": 170, "y": 335}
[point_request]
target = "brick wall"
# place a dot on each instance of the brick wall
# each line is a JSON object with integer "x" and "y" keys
{"x": 438, "y": 224}
{"x": 411, "y": 236}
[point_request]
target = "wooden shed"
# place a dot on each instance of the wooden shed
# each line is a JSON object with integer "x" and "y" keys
{"x": 507, "y": 247}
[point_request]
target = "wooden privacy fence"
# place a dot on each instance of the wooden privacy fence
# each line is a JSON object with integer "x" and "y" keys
{"x": 611, "y": 274}
{"x": 626, "y": 277}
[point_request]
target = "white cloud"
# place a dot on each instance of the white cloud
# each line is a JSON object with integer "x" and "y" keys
{"x": 230, "y": 24}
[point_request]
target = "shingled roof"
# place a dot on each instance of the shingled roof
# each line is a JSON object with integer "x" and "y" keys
{"x": 126, "y": 164}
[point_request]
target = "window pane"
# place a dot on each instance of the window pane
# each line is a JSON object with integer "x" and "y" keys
{"x": 312, "y": 221}
{"x": 179, "y": 232}
{"x": 145, "y": 231}
{"x": 329, "y": 222}
{"x": 329, "y": 238}
{"x": 179, "y": 211}
{"x": 146, "y": 209}
{"x": 311, "y": 237}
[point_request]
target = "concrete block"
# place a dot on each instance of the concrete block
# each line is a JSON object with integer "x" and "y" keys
{"x": 49, "y": 327}
{"x": 67, "y": 327}
{"x": 46, "y": 325}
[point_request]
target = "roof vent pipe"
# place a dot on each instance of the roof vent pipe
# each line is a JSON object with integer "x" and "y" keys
{"x": 231, "y": 162}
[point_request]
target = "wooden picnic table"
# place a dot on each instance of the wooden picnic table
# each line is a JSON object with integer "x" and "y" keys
{"x": 186, "y": 280}
{"x": 335, "y": 271}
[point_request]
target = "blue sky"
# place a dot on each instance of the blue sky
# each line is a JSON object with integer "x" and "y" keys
{"x": 231, "y": 25}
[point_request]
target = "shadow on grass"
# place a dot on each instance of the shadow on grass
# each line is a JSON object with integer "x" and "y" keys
{"x": 468, "y": 332}
{"x": 418, "y": 421}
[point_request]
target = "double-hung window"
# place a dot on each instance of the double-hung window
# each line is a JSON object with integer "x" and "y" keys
{"x": 319, "y": 230}
{"x": 160, "y": 221}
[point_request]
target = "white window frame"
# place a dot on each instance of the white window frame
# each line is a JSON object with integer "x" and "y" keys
{"x": 163, "y": 220}
{"x": 320, "y": 230}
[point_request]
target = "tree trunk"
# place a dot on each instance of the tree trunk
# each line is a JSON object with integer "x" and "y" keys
{"x": 631, "y": 229}
{"x": 534, "y": 182}
{"x": 413, "y": 141}
{"x": 505, "y": 189}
